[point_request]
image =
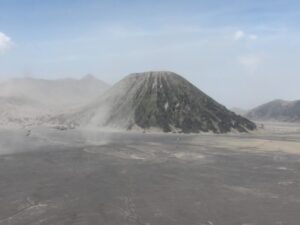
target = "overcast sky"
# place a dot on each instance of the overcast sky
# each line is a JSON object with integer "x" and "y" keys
{"x": 242, "y": 53}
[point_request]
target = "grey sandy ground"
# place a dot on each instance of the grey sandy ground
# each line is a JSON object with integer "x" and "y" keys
{"x": 70, "y": 177}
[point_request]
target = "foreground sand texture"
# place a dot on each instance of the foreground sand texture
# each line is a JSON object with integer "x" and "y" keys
{"x": 90, "y": 177}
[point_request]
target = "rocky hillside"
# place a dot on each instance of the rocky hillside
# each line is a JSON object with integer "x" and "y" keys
{"x": 158, "y": 100}
{"x": 21, "y": 112}
{"x": 278, "y": 110}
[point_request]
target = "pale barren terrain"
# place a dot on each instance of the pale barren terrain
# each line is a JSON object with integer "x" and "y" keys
{"x": 93, "y": 177}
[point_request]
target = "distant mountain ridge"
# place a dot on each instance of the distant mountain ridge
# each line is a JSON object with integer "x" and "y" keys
{"x": 277, "y": 110}
{"x": 239, "y": 111}
{"x": 56, "y": 93}
{"x": 159, "y": 100}
{"x": 29, "y": 101}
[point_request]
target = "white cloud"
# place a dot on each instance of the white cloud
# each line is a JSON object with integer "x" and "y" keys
{"x": 253, "y": 37}
{"x": 242, "y": 35}
{"x": 250, "y": 61}
{"x": 239, "y": 35}
{"x": 131, "y": 32}
{"x": 5, "y": 42}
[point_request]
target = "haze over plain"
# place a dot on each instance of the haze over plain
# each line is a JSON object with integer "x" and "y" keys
{"x": 241, "y": 53}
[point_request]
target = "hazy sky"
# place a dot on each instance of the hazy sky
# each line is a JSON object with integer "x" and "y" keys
{"x": 242, "y": 53}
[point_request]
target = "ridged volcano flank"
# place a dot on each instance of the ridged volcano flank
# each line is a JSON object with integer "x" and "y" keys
{"x": 162, "y": 100}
